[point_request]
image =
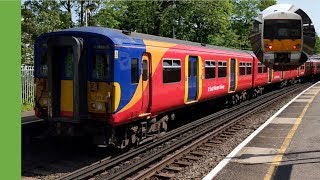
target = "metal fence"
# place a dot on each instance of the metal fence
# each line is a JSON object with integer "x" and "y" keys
{"x": 27, "y": 84}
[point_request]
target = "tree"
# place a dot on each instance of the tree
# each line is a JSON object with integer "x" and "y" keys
{"x": 317, "y": 46}
{"x": 67, "y": 4}
{"x": 111, "y": 14}
{"x": 263, "y": 4}
{"x": 39, "y": 17}
{"x": 242, "y": 19}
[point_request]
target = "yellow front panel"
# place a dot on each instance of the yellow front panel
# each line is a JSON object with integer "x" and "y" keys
{"x": 105, "y": 94}
{"x": 66, "y": 100}
{"x": 41, "y": 91}
{"x": 282, "y": 45}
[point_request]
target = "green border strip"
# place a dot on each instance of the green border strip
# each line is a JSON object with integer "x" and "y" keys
{"x": 10, "y": 90}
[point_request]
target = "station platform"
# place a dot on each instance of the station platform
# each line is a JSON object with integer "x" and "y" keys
{"x": 286, "y": 146}
{"x": 29, "y": 117}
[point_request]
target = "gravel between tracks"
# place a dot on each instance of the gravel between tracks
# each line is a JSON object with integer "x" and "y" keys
{"x": 201, "y": 168}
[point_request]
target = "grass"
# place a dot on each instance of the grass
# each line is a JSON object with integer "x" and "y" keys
{"x": 26, "y": 107}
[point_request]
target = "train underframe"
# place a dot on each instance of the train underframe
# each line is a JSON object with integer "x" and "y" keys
{"x": 144, "y": 130}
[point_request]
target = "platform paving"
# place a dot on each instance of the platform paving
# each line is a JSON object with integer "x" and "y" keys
{"x": 287, "y": 148}
{"x": 28, "y": 117}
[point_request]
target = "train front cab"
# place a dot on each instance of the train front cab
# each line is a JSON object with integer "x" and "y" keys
{"x": 74, "y": 80}
{"x": 282, "y": 40}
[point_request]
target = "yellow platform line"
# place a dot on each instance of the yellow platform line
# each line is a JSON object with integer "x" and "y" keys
{"x": 278, "y": 158}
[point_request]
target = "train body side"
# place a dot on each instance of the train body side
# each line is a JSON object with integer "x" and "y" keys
{"x": 149, "y": 78}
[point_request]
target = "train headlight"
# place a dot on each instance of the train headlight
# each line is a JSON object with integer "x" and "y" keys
{"x": 99, "y": 106}
{"x": 268, "y": 46}
{"x": 93, "y": 105}
{"x": 297, "y": 46}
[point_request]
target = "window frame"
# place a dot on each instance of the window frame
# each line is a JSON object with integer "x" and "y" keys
{"x": 171, "y": 67}
{"x": 224, "y": 65}
{"x": 242, "y": 65}
{"x": 210, "y": 66}
{"x": 260, "y": 66}
{"x": 145, "y": 77}
{"x": 137, "y": 74}
{"x": 249, "y": 65}
{"x": 264, "y": 68}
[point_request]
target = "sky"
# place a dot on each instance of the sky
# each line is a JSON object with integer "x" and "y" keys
{"x": 311, "y": 7}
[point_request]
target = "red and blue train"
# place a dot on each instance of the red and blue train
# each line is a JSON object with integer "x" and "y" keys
{"x": 122, "y": 88}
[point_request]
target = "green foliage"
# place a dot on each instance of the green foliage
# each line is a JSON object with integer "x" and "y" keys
{"x": 263, "y": 4}
{"x": 111, "y": 15}
{"x": 224, "y": 23}
{"x": 317, "y": 47}
{"x": 242, "y": 19}
{"x": 39, "y": 17}
{"x": 26, "y": 107}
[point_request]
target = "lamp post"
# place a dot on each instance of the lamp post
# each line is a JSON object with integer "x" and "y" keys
{"x": 89, "y": 8}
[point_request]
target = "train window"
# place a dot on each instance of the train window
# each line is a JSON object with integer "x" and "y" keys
{"x": 302, "y": 66}
{"x": 43, "y": 68}
{"x": 100, "y": 67}
{"x": 242, "y": 68}
{"x": 265, "y": 69}
{"x": 68, "y": 64}
{"x": 282, "y": 29}
{"x": 259, "y": 67}
{"x": 210, "y": 69}
{"x": 145, "y": 70}
{"x": 171, "y": 71}
{"x": 222, "y": 69}
{"x": 195, "y": 66}
{"x": 249, "y": 68}
{"x": 134, "y": 70}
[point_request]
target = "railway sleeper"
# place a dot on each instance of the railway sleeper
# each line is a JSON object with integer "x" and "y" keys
{"x": 211, "y": 144}
{"x": 215, "y": 141}
{"x": 197, "y": 153}
{"x": 182, "y": 163}
{"x": 204, "y": 149}
{"x": 173, "y": 168}
{"x": 193, "y": 158}
{"x": 165, "y": 175}
{"x": 228, "y": 133}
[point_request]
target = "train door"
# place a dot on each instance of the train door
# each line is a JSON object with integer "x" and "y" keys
{"x": 146, "y": 86}
{"x": 282, "y": 75}
{"x": 63, "y": 76}
{"x": 232, "y": 86}
{"x": 65, "y": 56}
{"x": 299, "y": 71}
{"x": 192, "y": 78}
{"x": 269, "y": 75}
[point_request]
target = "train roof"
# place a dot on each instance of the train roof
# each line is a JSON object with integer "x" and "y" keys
{"x": 282, "y": 15}
{"x": 120, "y": 37}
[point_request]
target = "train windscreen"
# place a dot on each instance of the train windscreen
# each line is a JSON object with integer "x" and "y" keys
{"x": 282, "y": 29}
{"x": 100, "y": 67}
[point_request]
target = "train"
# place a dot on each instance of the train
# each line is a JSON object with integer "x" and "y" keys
{"x": 122, "y": 88}
{"x": 283, "y": 37}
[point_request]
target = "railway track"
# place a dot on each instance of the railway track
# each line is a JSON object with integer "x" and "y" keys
{"x": 196, "y": 137}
